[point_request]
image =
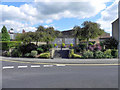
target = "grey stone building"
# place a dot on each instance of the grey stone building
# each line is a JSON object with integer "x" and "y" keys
{"x": 115, "y": 29}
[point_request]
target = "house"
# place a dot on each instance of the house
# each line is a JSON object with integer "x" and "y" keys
{"x": 12, "y": 34}
{"x": 115, "y": 29}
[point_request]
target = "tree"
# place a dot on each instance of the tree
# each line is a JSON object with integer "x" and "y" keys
{"x": 48, "y": 33}
{"x": 38, "y": 36}
{"x": 5, "y": 35}
{"x": 90, "y": 30}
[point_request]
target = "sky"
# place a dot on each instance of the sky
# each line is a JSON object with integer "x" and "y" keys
{"x": 62, "y": 15}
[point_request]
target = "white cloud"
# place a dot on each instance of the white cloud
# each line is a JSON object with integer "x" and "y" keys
{"x": 109, "y": 15}
{"x": 46, "y": 11}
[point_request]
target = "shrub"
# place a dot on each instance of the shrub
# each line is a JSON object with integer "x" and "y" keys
{"x": 97, "y": 48}
{"x": 88, "y": 54}
{"x": 107, "y": 53}
{"x": 27, "y": 55}
{"x": 99, "y": 54}
{"x": 111, "y": 43}
{"x": 71, "y": 53}
{"x": 45, "y": 55}
{"x": 114, "y": 53}
{"x": 80, "y": 47}
{"x": 76, "y": 56}
{"x": 40, "y": 50}
{"x": 90, "y": 43}
{"x": 27, "y": 48}
{"x": 55, "y": 45}
{"x": 45, "y": 47}
{"x": 34, "y": 53}
{"x": 16, "y": 53}
{"x": 63, "y": 45}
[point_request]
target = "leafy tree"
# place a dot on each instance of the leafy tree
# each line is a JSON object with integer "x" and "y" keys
{"x": 5, "y": 35}
{"x": 90, "y": 30}
{"x": 49, "y": 33}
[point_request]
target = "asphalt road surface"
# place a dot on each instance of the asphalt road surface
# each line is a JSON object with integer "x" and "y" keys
{"x": 27, "y": 75}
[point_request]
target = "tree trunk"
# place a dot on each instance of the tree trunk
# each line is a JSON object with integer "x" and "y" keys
{"x": 87, "y": 43}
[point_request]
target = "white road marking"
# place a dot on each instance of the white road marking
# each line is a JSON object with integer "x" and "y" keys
{"x": 35, "y": 66}
{"x": 47, "y": 65}
{"x": 59, "y": 65}
{"x": 8, "y": 67}
{"x": 22, "y": 66}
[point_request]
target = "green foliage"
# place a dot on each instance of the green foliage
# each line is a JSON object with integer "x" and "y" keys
{"x": 27, "y": 55}
{"x": 88, "y": 54}
{"x": 46, "y": 47}
{"x": 111, "y": 43}
{"x": 91, "y": 30}
{"x": 16, "y": 53}
{"x": 55, "y": 45}
{"x": 71, "y": 45}
{"x": 5, "y": 35}
{"x": 40, "y": 50}
{"x": 45, "y": 55}
{"x": 90, "y": 43}
{"x": 107, "y": 53}
{"x": 114, "y": 53}
{"x": 99, "y": 54}
{"x": 27, "y": 48}
{"x": 63, "y": 45}
{"x": 9, "y": 44}
{"x": 80, "y": 47}
{"x": 71, "y": 53}
{"x": 34, "y": 53}
{"x": 76, "y": 56}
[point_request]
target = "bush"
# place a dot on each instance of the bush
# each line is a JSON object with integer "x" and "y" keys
{"x": 71, "y": 53}
{"x": 55, "y": 45}
{"x": 63, "y": 45}
{"x": 27, "y": 48}
{"x": 90, "y": 43}
{"x": 16, "y": 53}
{"x": 45, "y": 47}
{"x": 80, "y": 47}
{"x": 45, "y": 55}
{"x": 99, "y": 54}
{"x": 34, "y": 53}
{"x": 40, "y": 50}
{"x": 88, "y": 54}
{"x": 27, "y": 55}
{"x": 107, "y": 53}
{"x": 76, "y": 56}
{"x": 111, "y": 43}
{"x": 114, "y": 53}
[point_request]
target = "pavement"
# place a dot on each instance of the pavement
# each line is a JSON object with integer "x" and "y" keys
{"x": 64, "y": 61}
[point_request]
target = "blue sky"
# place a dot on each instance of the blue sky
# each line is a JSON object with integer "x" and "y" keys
{"x": 62, "y": 15}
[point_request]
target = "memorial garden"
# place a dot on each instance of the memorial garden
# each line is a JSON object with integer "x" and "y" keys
{"x": 78, "y": 44}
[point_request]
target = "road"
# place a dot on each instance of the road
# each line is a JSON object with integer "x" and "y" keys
{"x": 29, "y": 75}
